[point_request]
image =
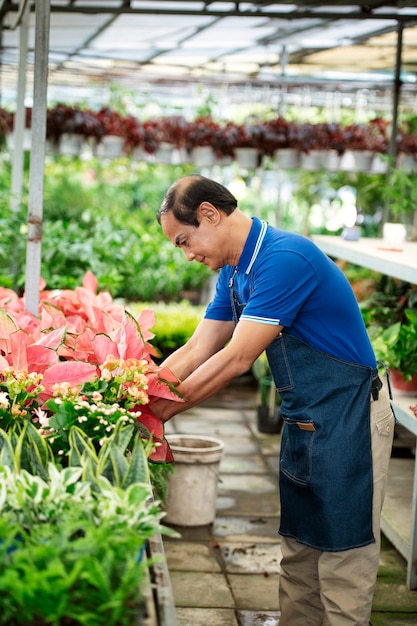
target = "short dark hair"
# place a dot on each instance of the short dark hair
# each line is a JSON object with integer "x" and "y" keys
{"x": 185, "y": 196}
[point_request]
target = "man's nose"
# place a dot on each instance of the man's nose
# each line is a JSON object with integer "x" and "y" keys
{"x": 190, "y": 256}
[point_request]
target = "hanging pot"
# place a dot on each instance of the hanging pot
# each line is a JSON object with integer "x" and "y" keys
{"x": 407, "y": 162}
{"x": 363, "y": 160}
{"x": 71, "y": 144}
{"x": 311, "y": 160}
{"x": 247, "y": 157}
{"x": 287, "y": 158}
{"x": 111, "y": 147}
{"x": 203, "y": 156}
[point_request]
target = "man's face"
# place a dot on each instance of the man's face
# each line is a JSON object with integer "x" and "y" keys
{"x": 198, "y": 243}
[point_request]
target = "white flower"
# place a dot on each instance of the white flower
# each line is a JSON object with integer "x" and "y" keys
{"x": 4, "y": 400}
{"x": 42, "y": 416}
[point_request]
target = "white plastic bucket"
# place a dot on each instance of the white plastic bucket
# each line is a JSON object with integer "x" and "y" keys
{"x": 192, "y": 487}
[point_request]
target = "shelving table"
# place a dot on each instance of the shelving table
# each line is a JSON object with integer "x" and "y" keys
{"x": 398, "y": 263}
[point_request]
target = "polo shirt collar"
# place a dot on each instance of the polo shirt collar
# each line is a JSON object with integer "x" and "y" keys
{"x": 252, "y": 245}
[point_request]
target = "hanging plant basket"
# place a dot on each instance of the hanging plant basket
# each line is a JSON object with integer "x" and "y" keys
{"x": 111, "y": 147}
{"x": 247, "y": 157}
{"x": 203, "y": 156}
{"x": 287, "y": 158}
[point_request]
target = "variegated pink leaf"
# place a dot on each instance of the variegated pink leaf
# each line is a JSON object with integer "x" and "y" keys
{"x": 146, "y": 321}
{"x": 39, "y": 358}
{"x": 72, "y": 372}
{"x": 103, "y": 346}
{"x": 130, "y": 343}
{"x": 18, "y": 347}
{"x": 159, "y": 389}
{"x": 90, "y": 282}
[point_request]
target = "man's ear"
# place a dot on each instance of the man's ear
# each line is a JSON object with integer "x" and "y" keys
{"x": 209, "y": 212}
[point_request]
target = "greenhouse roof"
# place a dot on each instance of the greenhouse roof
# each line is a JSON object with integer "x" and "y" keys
{"x": 165, "y": 42}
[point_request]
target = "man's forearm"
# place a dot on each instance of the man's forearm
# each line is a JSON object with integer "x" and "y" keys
{"x": 209, "y": 378}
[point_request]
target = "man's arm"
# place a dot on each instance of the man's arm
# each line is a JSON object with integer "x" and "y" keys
{"x": 209, "y": 337}
{"x": 213, "y": 369}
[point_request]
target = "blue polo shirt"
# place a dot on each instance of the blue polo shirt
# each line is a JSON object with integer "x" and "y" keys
{"x": 285, "y": 279}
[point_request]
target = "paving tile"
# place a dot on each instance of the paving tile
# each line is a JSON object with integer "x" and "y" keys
{"x": 254, "y": 485}
{"x": 239, "y": 445}
{"x": 258, "y": 529}
{"x": 256, "y": 618}
{"x": 255, "y": 592}
{"x": 191, "y": 556}
{"x": 248, "y": 504}
{"x": 205, "y": 590}
{"x": 394, "y": 619}
{"x": 248, "y": 464}
{"x": 388, "y": 596}
{"x": 272, "y": 462}
{"x": 213, "y": 428}
{"x": 206, "y": 617}
{"x": 269, "y": 445}
{"x": 251, "y": 558}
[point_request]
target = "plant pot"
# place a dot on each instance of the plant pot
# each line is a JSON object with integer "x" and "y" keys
{"x": 398, "y": 383}
{"x": 71, "y": 144}
{"x": 247, "y": 157}
{"x": 331, "y": 160}
{"x": 27, "y": 140}
{"x": 164, "y": 153}
{"x": 407, "y": 162}
{"x": 203, "y": 156}
{"x": 363, "y": 160}
{"x": 287, "y": 158}
{"x": 267, "y": 421}
{"x": 111, "y": 147}
{"x": 192, "y": 487}
{"x": 311, "y": 161}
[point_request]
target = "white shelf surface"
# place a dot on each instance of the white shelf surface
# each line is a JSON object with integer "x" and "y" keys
{"x": 373, "y": 254}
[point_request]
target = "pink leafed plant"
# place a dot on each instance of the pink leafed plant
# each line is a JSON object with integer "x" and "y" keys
{"x": 83, "y": 351}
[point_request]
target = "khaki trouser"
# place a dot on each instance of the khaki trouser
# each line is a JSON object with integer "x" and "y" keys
{"x": 336, "y": 588}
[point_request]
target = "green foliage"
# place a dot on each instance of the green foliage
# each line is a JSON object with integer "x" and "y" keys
{"x": 390, "y": 316}
{"x": 99, "y": 217}
{"x": 401, "y": 193}
{"x": 69, "y": 554}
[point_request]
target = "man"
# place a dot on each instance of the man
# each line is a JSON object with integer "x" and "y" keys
{"x": 278, "y": 292}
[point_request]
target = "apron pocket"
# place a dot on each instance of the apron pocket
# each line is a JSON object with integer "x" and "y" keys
{"x": 297, "y": 452}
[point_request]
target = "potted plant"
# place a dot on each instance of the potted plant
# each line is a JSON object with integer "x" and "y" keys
{"x": 364, "y": 141}
{"x": 248, "y": 143}
{"x": 67, "y": 128}
{"x": 114, "y": 133}
{"x": 268, "y": 400}
{"x": 407, "y": 144}
{"x": 70, "y": 548}
{"x": 390, "y": 316}
{"x": 201, "y": 136}
{"x": 6, "y": 123}
{"x": 69, "y": 418}
{"x": 281, "y": 140}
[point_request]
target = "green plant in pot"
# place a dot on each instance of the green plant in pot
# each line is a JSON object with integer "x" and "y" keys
{"x": 390, "y": 315}
{"x": 396, "y": 346}
{"x": 268, "y": 400}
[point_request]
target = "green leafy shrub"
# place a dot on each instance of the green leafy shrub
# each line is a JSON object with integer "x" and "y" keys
{"x": 102, "y": 218}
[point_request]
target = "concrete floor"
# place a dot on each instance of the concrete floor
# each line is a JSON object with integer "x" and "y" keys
{"x": 226, "y": 573}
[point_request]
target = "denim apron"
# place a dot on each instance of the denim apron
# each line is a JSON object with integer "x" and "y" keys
{"x": 326, "y": 459}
